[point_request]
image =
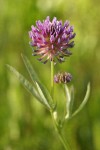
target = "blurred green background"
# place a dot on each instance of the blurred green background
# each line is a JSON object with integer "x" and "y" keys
{"x": 24, "y": 123}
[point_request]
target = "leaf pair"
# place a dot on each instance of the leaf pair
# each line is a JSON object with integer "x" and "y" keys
{"x": 37, "y": 89}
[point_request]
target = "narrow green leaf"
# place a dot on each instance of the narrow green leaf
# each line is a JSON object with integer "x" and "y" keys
{"x": 68, "y": 101}
{"x": 84, "y": 101}
{"x": 26, "y": 83}
{"x": 42, "y": 95}
{"x": 30, "y": 69}
{"x": 72, "y": 98}
{"x": 35, "y": 78}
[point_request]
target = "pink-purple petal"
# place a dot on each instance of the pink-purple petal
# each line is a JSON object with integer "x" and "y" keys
{"x": 52, "y": 39}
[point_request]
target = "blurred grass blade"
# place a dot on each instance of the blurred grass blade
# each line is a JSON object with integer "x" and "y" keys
{"x": 42, "y": 95}
{"x": 35, "y": 78}
{"x": 26, "y": 84}
{"x": 84, "y": 100}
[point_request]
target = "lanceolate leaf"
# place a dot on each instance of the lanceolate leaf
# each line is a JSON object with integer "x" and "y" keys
{"x": 72, "y": 98}
{"x": 42, "y": 95}
{"x": 27, "y": 85}
{"x": 30, "y": 69}
{"x": 69, "y": 101}
{"x": 35, "y": 78}
{"x": 84, "y": 101}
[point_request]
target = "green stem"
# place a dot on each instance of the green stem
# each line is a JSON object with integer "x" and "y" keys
{"x": 58, "y": 130}
{"x": 56, "y": 125}
{"x": 52, "y": 81}
{"x": 65, "y": 143}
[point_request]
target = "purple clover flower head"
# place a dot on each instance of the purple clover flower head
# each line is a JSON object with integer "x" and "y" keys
{"x": 51, "y": 40}
{"x": 62, "y": 77}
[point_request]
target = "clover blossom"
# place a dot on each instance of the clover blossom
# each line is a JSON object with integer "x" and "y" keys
{"x": 51, "y": 39}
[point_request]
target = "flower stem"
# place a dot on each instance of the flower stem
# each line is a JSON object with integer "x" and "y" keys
{"x": 58, "y": 130}
{"x": 52, "y": 82}
{"x": 56, "y": 125}
{"x": 65, "y": 144}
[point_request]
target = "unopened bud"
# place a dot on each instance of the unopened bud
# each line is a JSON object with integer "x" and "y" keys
{"x": 62, "y": 77}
